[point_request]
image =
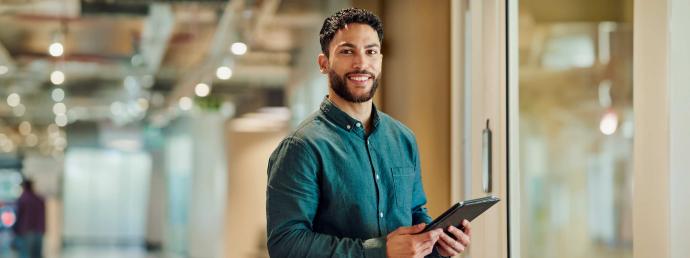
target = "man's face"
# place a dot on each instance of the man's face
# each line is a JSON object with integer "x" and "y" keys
{"x": 354, "y": 62}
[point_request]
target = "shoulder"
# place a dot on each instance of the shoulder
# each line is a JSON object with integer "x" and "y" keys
{"x": 306, "y": 136}
{"x": 392, "y": 125}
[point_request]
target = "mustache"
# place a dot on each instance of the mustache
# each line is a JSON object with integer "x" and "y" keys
{"x": 361, "y": 72}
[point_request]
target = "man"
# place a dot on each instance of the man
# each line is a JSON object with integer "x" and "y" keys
{"x": 30, "y": 224}
{"x": 347, "y": 182}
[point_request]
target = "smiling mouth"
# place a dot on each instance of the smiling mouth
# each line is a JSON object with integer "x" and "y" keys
{"x": 359, "y": 77}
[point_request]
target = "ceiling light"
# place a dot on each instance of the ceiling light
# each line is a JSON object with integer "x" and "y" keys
{"x": 185, "y": 103}
{"x": 19, "y": 110}
{"x": 4, "y": 69}
{"x": 25, "y": 128}
{"x": 609, "y": 123}
{"x": 131, "y": 83}
{"x": 7, "y": 146}
{"x": 223, "y": 72}
{"x": 59, "y": 142}
{"x": 61, "y": 120}
{"x": 238, "y": 48}
{"x": 143, "y": 103}
{"x": 116, "y": 108}
{"x": 59, "y": 108}
{"x": 202, "y": 90}
{"x": 57, "y": 94}
{"x": 13, "y": 100}
{"x": 31, "y": 140}
{"x": 147, "y": 81}
{"x": 57, "y": 77}
{"x": 56, "y": 49}
{"x": 53, "y": 130}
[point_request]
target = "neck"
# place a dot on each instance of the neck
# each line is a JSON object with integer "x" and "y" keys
{"x": 360, "y": 111}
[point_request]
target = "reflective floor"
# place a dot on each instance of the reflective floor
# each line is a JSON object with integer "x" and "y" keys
{"x": 107, "y": 252}
{"x": 94, "y": 251}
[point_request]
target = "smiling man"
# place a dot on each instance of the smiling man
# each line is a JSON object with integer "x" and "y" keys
{"x": 347, "y": 182}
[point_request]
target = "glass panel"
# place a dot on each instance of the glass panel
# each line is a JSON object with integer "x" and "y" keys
{"x": 102, "y": 194}
{"x": 575, "y": 131}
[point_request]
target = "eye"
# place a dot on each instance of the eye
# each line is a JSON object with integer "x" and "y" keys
{"x": 372, "y": 51}
{"x": 346, "y": 51}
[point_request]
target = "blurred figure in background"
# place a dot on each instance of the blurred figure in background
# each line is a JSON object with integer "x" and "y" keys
{"x": 30, "y": 225}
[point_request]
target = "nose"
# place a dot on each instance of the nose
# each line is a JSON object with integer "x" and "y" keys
{"x": 360, "y": 61}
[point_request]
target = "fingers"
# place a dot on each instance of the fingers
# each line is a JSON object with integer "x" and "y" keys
{"x": 431, "y": 235}
{"x": 409, "y": 230}
{"x": 468, "y": 227}
{"x": 427, "y": 240}
{"x": 426, "y": 251}
{"x": 425, "y": 247}
{"x": 459, "y": 235}
{"x": 452, "y": 246}
{"x": 445, "y": 249}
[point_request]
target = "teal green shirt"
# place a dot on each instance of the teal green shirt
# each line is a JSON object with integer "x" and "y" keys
{"x": 334, "y": 191}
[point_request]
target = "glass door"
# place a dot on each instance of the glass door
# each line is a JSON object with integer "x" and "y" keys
{"x": 481, "y": 116}
{"x": 571, "y": 194}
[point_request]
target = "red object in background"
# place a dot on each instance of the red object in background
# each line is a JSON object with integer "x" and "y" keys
{"x": 8, "y": 218}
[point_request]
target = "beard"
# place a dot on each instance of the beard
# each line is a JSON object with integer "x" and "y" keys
{"x": 339, "y": 86}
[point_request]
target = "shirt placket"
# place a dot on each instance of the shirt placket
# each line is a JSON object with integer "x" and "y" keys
{"x": 380, "y": 215}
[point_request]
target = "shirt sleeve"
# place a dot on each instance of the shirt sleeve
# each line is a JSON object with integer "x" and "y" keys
{"x": 292, "y": 198}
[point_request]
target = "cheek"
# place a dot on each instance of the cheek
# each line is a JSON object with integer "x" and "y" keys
{"x": 339, "y": 70}
{"x": 376, "y": 65}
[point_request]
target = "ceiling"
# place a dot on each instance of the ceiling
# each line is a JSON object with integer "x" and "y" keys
{"x": 127, "y": 61}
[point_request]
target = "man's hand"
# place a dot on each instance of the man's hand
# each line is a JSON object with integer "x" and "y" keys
{"x": 407, "y": 242}
{"x": 451, "y": 247}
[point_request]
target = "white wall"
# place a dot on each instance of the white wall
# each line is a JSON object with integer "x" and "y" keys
{"x": 209, "y": 188}
{"x": 679, "y": 123}
{"x": 196, "y": 176}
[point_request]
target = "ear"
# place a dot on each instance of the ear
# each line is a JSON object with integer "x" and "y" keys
{"x": 322, "y": 61}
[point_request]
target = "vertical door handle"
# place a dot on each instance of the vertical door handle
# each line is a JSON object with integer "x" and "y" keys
{"x": 486, "y": 158}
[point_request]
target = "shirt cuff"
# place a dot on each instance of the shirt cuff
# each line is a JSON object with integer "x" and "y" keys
{"x": 375, "y": 247}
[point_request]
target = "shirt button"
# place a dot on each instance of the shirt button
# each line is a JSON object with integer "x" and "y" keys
{"x": 348, "y": 127}
{"x": 359, "y": 124}
{"x": 381, "y": 214}
{"x": 377, "y": 176}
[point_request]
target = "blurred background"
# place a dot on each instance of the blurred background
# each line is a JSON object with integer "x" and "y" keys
{"x": 576, "y": 128}
{"x": 135, "y": 118}
{"x": 147, "y": 125}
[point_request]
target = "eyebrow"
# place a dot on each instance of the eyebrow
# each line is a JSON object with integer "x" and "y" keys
{"x": 353, "y": 46}
{"x": 372, "y": 45}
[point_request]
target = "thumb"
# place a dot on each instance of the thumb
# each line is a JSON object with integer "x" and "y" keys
{"x": 409, "y": 230}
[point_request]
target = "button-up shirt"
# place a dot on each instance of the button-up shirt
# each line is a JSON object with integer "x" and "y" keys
{"x": 336, "y": 191}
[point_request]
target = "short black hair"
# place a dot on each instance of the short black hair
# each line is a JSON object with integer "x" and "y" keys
{"x": 344, "y": 17}
{"x": 28, "y": 185}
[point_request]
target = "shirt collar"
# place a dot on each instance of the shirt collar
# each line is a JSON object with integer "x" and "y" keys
{"x": 344, "y": 120}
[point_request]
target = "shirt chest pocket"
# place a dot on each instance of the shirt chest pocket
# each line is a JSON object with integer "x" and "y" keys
{"x": 403, "y": 180}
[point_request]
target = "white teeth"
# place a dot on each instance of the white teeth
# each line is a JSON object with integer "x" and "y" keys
{"x": 359, "y": 78}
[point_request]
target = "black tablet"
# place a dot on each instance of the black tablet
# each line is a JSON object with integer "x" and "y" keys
{"x": 467, "y": 210}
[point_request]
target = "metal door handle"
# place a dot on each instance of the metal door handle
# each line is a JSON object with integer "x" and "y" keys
{"x": 486, "y": 158}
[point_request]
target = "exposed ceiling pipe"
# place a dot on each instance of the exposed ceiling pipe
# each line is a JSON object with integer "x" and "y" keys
{"x": 225, "y": 33}
{"x": 47, "y": 8}
{"x": 6, "y": 61}
{"x": 158, "y": 29}
{"x": 264, "y": 17}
